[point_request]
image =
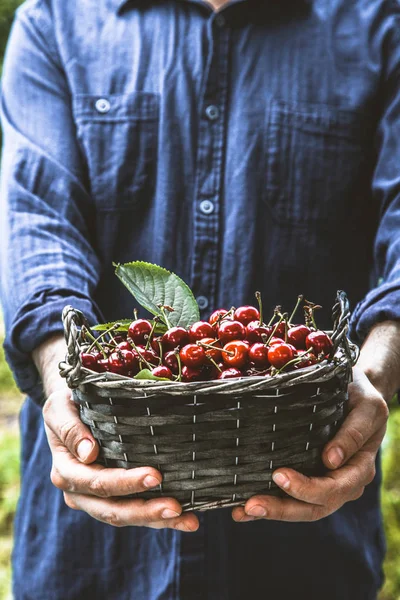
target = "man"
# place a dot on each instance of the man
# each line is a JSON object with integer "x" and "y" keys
{"x": 254, "y": 147}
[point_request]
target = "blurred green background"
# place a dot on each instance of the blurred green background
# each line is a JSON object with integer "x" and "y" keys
{"x": 10, "y": 402}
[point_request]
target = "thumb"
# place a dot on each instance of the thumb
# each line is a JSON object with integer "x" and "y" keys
{"x": 65, "y": 428}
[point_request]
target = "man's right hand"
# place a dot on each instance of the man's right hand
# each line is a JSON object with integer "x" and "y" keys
{"x": 97, "y": 490}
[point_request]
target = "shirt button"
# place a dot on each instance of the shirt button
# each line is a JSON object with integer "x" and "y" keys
{"x": 202, "y": 301}
{"x": 206, "y": 207}
{"x": 220, "y": 20}
{"x": 102, "y": 105}
{"x": 212, "y": 112}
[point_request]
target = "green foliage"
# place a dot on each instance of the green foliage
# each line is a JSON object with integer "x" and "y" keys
{"x": 391, "y": 506}
{"x": 153, "y": 286}
{"x": 7, "y": 383}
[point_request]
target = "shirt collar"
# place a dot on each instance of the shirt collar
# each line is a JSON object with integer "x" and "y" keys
{"x": 120, "y": 4}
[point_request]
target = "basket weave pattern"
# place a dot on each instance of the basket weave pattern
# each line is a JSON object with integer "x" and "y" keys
{"x": 216, "y": 443}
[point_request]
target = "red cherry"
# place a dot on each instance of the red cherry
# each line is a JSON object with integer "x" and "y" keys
{"x": 149, "y": 355}
{"x": 89, "y": 361}
{"x": 176, "y": 337}
{"x": 103, "y": 365}
{"x": 231, "y": 330}
{"x": 306, "y": 361}
{"x": 255, "y": 331}
{"x": 123, "y": 361}
{"x": 192, "y": 355}
{"x": 190, "y": 374}
{"x": 236, "y": 353}
{"x": 171, "y": 362}
{"x": 201, "y": 330}
{"x": 118, "y": 339}
{"x": 320, "y": 342}
{"x": 280, "y": 354}
{"x": 217, "y": 316}
{"x": 230, "y": 373}
{"x": 139, "y": 330}
{"x": 246, "y": 314}
{"x": 215, "y": 351}
{"x": 275, "y": 341}
{"x": 125, "y": 346}
{"x": 297, "y": 336}
{"x": 258, "y": 354}
{"x": 280, "y": 330}
{"x": 162, "y": 371}
{"x": 155, "y": 344}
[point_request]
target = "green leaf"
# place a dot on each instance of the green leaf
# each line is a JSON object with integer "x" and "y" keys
{"x": 159, "y": 329}
{"x": 146, "y": 374}
{"x": 152, "y": 286}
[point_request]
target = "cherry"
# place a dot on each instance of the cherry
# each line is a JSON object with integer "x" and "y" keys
{"x": 103, "y": 365}
{"x": 235, "y": 353}
{"x": 320, "y": 342}
{"x": 170, "y": 360}
{"x": 258, "y": 354}
{"x": 148, "y": 355}
{"x": 280, "y": 330}
{"x": 215, "y": 352}
{"x": 139, "y": 330}
{"x": 230, "y": 373}
{"x": 306, "y": 361}
{"x": 175, "y": 337}
{"x": 231, "y": 330}
{"x": 297, "y": 336}
{"x": 190, "y": 374}
{"x": 201, "y": 330}
{"x": 192, "y": 355}
{"x": 280, "y": 354}
{"x": 125, "y": 346}
{"x": 275, "y": 341}
{"x": 89, "y": 361}
{"x": 123, "y": 361}
{"x": 118, "y": 339}
{"x": 162, "y": 371}
{"x": 155, "y": 345}
{"x": 255, "y": 331}
{"x": 217, "y": 316}
{"x": 246, "y": 314}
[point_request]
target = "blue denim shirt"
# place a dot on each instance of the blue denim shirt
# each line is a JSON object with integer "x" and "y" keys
{"x": 258, "y": 148}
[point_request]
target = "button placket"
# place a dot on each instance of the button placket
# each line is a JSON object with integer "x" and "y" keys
{"x": 209, "y": 173}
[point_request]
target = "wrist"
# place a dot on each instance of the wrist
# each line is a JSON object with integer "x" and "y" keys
{"x": 47, "y": 357}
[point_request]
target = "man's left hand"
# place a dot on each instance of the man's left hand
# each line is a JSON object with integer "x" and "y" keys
{"x": 350, "y": 456}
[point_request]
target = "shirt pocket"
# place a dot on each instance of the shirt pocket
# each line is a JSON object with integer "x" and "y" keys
{"x": 118, "y": 135}
{"x": 318, "y": 164}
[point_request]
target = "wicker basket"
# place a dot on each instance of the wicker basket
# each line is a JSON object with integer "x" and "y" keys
{"x": 216, "y": 443}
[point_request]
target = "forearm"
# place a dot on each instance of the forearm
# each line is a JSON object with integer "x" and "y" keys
{"x": 46, "y": 357}
{"x": 380, "y": 358}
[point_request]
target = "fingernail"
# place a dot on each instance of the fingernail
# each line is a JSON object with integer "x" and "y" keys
{"x": 167, "y": 513}
{"x": 257, "y": 511}
{"x": 246, "y": 518}
{"x": 150, "y": 482}
{"x": 335, "y": 456}
{"x": 84, "y": 449}
{"x": 281, "y": 480}
{"x": 182, "y": 527}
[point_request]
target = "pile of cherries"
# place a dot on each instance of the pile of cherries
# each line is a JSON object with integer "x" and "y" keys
{"x": 232, "y": 343}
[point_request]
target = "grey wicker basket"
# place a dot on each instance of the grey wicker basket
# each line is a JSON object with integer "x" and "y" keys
{"x": 216, "y": 443}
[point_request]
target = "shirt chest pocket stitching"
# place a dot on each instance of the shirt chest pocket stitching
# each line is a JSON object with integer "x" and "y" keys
{"x": 118, "y": 134}
{"x": 316, "y": 156}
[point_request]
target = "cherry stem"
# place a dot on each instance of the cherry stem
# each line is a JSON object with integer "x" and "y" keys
{"x": 214, "y": 363}
{"x": 281, "y": 317}
{"x": 164, "y": 316}
{"x": 135, "y": 314}
{"x": 277, "y": 311}
{"x": 141, "y": 357}
{"x": 178, "y": 358}
{"x": 150, "y": 336}
{"x": 229, "y": 352}
{"x": 94, "y": 341}
{"x": 300, "y": 299}
{"x": 294, "y": 361}
{"x": 115, "y": 326}
{"x": 260, "y": 306}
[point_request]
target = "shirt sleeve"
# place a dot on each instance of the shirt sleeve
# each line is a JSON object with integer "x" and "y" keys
{"x": 47, "y": 259}
{"x": 383, "y": 301}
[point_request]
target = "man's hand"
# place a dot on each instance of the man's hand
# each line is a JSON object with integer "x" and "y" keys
{"x": 98, "y": 490}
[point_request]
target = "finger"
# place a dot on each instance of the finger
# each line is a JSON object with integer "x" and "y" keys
{"x": 333, "y": 490}
{"x": 69, "y": 475}
{"x": 61, "y": 417}
{"x": 278, "y": 509}
{"x": 369, "y": 413}
{"x": 158, "y": 513}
